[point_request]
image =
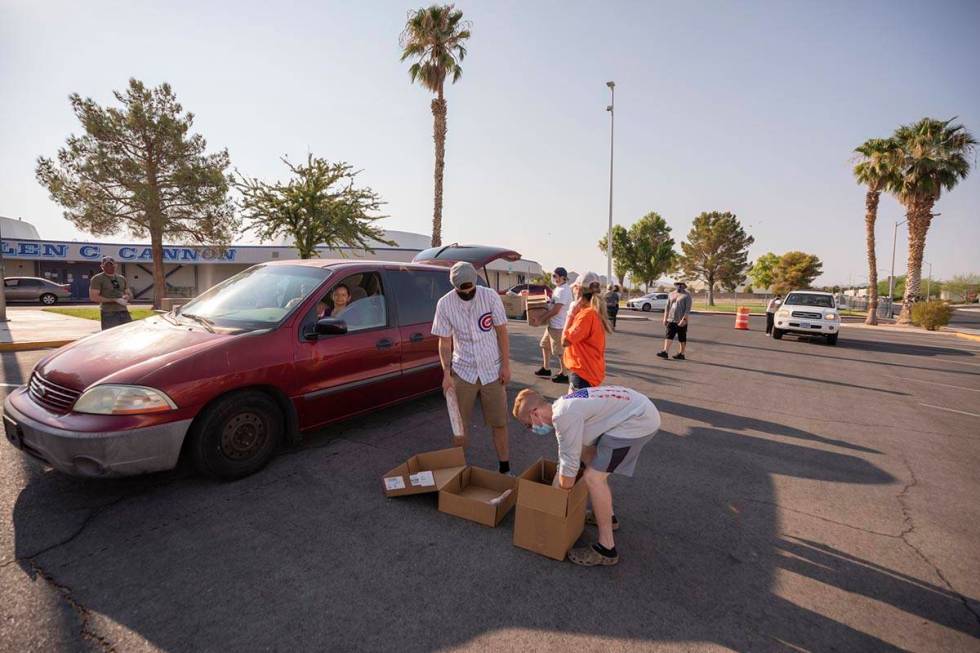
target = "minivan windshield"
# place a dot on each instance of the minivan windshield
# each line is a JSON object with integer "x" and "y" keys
{"x": 809, "y": 299}
{"x": 257, "y": 298}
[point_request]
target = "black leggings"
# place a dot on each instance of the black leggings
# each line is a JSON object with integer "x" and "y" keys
{"x": 613, "y": 312}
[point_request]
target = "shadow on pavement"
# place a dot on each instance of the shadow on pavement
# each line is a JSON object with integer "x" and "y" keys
{"x": 309, "y": 553}
{"x": 786, "y": 375}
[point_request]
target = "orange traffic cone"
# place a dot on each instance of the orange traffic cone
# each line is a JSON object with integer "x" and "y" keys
{"x": 742, "y": 318}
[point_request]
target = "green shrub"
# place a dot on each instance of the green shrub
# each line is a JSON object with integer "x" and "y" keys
{"x": 931, "y": 315}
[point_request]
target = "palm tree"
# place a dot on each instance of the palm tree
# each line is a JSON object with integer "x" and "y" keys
{"x": 932, "y": 156}
{"x": 434, "y": 37}
{"x": 875, "y": 168}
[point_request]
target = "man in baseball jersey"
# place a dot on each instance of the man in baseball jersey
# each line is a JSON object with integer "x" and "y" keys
{"x": 475, "y": 354}
{"x": 604, "y": 428}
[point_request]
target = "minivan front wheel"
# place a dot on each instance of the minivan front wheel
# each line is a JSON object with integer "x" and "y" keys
{"x": 48, "y": 299}
{"x": 237, "y": 435}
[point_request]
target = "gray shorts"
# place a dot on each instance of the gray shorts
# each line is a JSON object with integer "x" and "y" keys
{"x": 618, "y": 455}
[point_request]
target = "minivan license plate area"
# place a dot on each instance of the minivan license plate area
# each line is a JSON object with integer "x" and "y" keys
{"x": 13, "y": 432}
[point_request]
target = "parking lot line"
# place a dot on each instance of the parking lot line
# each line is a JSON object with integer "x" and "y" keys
{"x": 951, "y": 410}
{"x": 948, "y": 385}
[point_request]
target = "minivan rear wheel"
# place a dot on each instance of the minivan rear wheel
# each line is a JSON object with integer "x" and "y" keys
{"x": 237, "y": 435}
{"x": 48, "y": 299}
{"x": 647, "y": 308}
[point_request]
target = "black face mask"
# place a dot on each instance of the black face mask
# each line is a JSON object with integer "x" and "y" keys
{"x": 466, "y": 295}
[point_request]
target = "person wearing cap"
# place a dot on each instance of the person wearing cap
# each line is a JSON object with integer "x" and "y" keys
{"x": 584, "y": 337}
{"x": 602, "y": 429}
{"x": 554, "y": 323}
{"x": 612, "y": 304}
{"x": 675, "y": 319}
{"x": 475, "y": 354}
{"x": 111, "y": 292}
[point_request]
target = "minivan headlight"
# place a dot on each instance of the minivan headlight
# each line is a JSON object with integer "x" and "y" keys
{"x": 830, "y": 316}
{"x": 782, "y": 313}
{"x": 112, "y": 399}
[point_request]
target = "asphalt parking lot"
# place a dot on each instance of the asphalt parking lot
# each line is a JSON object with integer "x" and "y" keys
{"x": 799, "y": 496}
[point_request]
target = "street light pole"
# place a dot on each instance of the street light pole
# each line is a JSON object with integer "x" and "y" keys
{"x": 891, "y": 277}
{"x": 928, "y": 281}
{"x": 612, "y": 126}
{"x": 3, "y": 285}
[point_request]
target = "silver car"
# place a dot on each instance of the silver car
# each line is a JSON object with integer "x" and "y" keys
{"x": 34, "y": 289}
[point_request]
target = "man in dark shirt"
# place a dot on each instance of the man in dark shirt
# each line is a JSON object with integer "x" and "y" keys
{"x": 111, "y": 292}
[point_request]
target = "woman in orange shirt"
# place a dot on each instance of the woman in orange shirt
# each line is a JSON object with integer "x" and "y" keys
{"x": 584, "y": 336}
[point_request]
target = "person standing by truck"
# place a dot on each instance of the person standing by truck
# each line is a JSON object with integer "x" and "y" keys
{"x": 474, "y": 352}
{"x": 554, "y": 322}
{"x": 111, "y": 292}
{"x": 675, "y": 319}
{"x": 771, "y": 309}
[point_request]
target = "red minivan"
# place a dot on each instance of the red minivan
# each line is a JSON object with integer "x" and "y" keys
{"x": 246, "y": 366}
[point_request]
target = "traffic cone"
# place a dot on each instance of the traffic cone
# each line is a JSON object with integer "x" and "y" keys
{"x": 742, "y": 318}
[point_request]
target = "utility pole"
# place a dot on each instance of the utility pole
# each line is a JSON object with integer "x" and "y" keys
{"x": 891, "y": 277}
{"x": 3, "y": 284}
{"x": 612, "y": 126}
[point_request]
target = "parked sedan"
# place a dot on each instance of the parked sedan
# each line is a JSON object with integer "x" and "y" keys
{"x": 34, "y": 289}
{"x": 245, "y": 367}
{"x": 655, "y": 301}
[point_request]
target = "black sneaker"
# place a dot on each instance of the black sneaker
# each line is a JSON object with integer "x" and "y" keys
{"x": 662, "y": 354}
{"x": 544, "y": 371}
{"x": 560, "y": 378}
{"x": 678, "y": 357}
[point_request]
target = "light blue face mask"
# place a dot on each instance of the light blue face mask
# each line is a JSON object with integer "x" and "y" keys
{"x": 542, "y": 429}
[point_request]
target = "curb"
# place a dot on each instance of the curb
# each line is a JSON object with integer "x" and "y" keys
{"x": 968, "y": 336}
{"x": 30, "y": 346}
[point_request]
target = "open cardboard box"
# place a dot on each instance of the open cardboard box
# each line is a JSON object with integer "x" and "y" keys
{"x": 537, "y": 305}
{"x": 549, "y": 520}
{"x": 469, "y": 494}
{"x": 424, "y": 472}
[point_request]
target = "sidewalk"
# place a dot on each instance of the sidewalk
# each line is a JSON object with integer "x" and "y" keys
{"x": 969, "y": 334}
{"x": 35, "y": 329}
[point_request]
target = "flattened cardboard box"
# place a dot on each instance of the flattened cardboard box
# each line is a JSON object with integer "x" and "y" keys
{"x": 468, "y": 496}
{"x": 549, "y": 520}
{"x": 424, "y": 472}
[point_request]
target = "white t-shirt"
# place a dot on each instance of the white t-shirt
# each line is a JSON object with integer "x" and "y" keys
{"x": 561, "y": 295}
{"x": 476, "y": 352}
{"x": 582, "y": 416}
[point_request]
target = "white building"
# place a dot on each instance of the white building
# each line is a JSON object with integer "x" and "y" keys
{"x": 190, "y": 270}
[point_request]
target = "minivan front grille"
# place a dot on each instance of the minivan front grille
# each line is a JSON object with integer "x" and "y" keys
{"x": 812, "y": 316}
{"x": 50, "y": 395}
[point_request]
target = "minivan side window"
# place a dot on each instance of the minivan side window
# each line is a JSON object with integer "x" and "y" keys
{"x": 11, "y": 283}
{"x": 417, "y": 292}
{"x": 364, "y": 307}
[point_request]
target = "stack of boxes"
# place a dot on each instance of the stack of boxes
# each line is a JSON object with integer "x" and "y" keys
{"x": 537, "y": 305}
{"x": 548, "y": 521}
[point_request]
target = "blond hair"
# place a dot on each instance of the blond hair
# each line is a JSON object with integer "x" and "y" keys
{"x": 527, "y": 399}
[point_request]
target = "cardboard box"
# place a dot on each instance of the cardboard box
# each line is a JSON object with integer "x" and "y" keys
{"x": 513, "y": 305}
{"x": 424, "y": 472}
{"x": 549, "y": 520}
{"x": 537, "y": 305}
{"x": 469, "y": 494}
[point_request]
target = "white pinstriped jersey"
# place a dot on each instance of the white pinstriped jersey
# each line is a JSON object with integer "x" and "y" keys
{"x": 476, "y": 353}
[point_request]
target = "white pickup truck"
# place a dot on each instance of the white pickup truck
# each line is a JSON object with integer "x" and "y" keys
{"x": 808, "y": 312}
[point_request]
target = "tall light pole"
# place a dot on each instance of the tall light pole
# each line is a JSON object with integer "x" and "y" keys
{"x": 612, "y": 126}
{"x": 891, "y": 277}
{"x": 3, "y": 285}
{"x": 929, "y": 280}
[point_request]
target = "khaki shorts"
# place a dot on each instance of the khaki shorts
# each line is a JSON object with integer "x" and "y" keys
{"x": 551, "y": 342}
{"x": 493, "y": 400}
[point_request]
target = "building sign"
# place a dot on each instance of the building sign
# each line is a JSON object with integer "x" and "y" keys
{"x": 61, "y": 251}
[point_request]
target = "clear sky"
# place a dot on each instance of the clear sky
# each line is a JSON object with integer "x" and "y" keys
{"x": 752, "y": 107}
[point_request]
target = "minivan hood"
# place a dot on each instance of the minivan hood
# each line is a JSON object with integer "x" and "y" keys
{"x": 479, "y": 255}
{"x": 125, "y": 352}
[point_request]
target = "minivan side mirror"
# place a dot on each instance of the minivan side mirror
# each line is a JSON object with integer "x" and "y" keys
{"x": 330, "y": 326}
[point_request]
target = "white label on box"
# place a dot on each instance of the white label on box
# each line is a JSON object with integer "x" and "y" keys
{"x": 394, "y": 483}
{"x": 422, "y": 479}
